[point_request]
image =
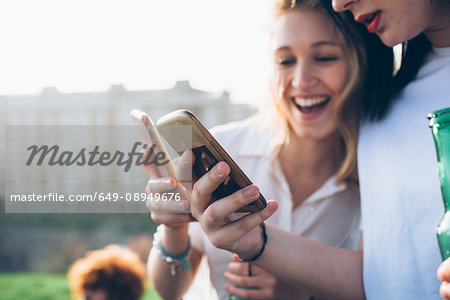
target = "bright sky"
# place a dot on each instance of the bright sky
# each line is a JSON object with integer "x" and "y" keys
{"x": 87, "y": 45}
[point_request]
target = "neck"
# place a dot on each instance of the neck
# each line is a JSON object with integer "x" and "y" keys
{"x": 310, "y": 156}
{"x": 439, "y": 32}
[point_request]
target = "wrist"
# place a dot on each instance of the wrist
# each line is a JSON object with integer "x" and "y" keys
{"x": 173, "y": 258}
{"x": 175, "y": 240}
{"x": 256, "y": 252}
{"x": 178, "y": 230}
{"x": 176, "y": 227}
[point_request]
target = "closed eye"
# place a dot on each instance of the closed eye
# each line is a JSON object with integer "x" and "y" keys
{"x": 286, "y": 62}
{"x": 326, "y": 58}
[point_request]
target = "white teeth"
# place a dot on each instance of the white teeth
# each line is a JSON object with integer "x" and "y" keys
{"x": 309, "y": 101}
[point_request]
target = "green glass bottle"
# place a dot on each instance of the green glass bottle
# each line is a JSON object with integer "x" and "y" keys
{"x": 233, "y": 297}
{"x": 440, "y": 126}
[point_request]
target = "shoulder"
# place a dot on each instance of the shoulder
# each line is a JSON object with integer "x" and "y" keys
{"x": 238, "y": 129}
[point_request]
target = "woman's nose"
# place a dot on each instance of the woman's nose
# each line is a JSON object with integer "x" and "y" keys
{"x": 341, "y": 5}
{"x": 303, "y": 77}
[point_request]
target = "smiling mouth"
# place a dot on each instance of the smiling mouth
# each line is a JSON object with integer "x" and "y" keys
{"x": 372, "y": 21}
{"x": 307, "y": 105}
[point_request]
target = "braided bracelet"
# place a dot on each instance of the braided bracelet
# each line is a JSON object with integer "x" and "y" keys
{"x": 264, "y": 237}
{"x": 169, "y": 258}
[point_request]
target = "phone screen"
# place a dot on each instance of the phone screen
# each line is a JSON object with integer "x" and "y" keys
{"x": 205, "y": 161}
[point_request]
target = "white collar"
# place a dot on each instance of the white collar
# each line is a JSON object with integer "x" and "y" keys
{"x": 257, "y": 143}
{"x": 328, "y": 189}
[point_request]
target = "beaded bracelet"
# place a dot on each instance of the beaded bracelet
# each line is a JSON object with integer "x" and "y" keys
{"x": 264, "y": 237}
{"x": 169, "y": 258}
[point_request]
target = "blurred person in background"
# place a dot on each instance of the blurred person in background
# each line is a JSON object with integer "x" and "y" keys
{"x": 111, "y": 273}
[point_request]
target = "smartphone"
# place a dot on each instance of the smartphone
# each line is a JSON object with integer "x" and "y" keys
{"x": 208, "y": 152}
{"x": 151, "y": 137}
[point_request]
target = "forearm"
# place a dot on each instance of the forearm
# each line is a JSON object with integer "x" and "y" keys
{"x": 324, "y": 271}
{"x": 172, "y": 286}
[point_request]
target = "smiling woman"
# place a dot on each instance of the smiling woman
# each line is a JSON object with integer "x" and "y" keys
{"x": 301, "y": 153}
{"x": 310, "y": 73}
{"x": 318, "y": 77}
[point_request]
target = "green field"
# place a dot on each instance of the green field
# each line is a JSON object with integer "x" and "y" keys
{"x": 40, "y": 286}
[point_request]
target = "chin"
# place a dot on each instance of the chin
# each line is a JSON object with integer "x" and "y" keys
{"x": 392, "y": 39}
{"x": 311, "y": 134}
{"x": 389, "y": 40}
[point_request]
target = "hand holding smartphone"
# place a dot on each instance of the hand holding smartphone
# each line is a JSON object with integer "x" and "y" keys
{"x": 206, "y": 149}
{"x": 158, "y": 164}
{"x": 208, "y": 152}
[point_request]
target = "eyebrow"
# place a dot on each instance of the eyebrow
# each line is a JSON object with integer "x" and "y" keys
{"x": 323, "y": 43}
{"x": 314, "y": 45}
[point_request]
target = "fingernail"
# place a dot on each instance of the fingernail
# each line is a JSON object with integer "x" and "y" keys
{"x": 235, "y": 257}
{"x": 219, "y": 169}
{"x": 250, "y": 191}
{"x": 171, "y": 181}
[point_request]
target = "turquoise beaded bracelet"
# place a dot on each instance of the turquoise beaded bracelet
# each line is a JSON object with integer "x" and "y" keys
{"x": 169, "y": 258}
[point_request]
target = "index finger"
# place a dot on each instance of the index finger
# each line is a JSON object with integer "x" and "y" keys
{"x": 205, "y": 186}
{"x": 241, "y": 268}
{"x": 183, "y": 170}
{"x": 149, "y": 168}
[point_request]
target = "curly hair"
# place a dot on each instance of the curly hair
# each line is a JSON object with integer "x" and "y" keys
{"x": 113, "y": 269}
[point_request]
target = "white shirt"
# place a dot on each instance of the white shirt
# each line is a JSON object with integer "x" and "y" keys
{"x": 401, "y": 201}
{"x": 330, "y": 215}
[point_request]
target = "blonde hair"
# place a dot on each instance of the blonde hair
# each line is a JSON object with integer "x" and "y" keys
{"x": 117, "y": 271}
{"x": 349, "y": 105}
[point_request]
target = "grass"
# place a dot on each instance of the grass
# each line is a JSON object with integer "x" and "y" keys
{"x": 41, "y": 286}
{"x": 132, "y": 223}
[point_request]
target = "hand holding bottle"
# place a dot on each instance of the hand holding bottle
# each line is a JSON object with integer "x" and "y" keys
{"x": 260, "y": 285}
{"x": 444, "y": 275}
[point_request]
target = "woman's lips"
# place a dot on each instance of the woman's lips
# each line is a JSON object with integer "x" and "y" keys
{"x": 309, "y": 105}
{"x": 372, "y": 20}
{"x": 372, "y": 27}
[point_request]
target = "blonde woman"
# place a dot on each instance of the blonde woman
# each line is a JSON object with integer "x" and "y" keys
{"x": 303, "y": 154}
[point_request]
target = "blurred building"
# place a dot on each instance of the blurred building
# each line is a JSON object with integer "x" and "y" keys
{"x": 36, "y": 242}
{"x": 112, "y": 107}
